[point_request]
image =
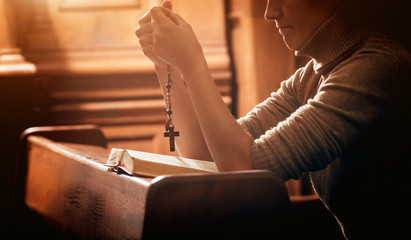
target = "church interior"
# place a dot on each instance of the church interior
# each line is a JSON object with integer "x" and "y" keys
{"x": 78, "y": 63}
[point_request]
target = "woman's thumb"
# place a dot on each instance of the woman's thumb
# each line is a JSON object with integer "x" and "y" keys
{"x": 167, "y": 4}
{"x": 171, "y": 15}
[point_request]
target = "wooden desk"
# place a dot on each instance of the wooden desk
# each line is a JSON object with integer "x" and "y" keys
{"x": 68, "y": 185}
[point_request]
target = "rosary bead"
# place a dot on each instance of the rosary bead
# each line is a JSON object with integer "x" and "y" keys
{"x": 170, "y": 133}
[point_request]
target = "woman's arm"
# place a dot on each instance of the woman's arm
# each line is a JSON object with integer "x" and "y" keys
{"x": 228, "y": 143}
{"x": 190, "y": 143}
{"x": 175, "y": 43}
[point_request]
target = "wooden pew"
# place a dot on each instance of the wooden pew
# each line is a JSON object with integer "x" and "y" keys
{"x": 68, "y": 185}
{"x": 82, "y": 134}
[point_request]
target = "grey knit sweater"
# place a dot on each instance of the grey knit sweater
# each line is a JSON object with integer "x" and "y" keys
{"x": 344, "y": 118}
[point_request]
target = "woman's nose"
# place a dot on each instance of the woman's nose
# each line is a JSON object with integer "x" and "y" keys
{"x": 273, "y": 10}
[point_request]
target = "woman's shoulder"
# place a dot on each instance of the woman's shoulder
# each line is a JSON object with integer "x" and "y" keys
{"x": 379, "y": 48}
{"x": 380, "y": 65}
{"x": 376, "y": 55}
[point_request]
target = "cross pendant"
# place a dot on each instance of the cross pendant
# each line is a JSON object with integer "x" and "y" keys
{"x": 171, "y": 134}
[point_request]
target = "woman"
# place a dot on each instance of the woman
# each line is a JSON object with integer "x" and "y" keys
{"x": 341, "y": 117}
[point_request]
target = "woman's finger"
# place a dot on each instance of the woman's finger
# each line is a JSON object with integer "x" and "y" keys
{"x": 167, "y": 4}
{"x": 177, "y": 19}
{"x": 159, "y": 15}
{"x": 148, "y": 50}
{"x": 146, "y": 40}
{"x": 145, "y": 18}
{"x": 144, "y": 29}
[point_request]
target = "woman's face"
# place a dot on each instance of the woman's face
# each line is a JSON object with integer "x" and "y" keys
{"x": 297, "y": 20}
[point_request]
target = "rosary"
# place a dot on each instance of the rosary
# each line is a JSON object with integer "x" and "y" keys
{"x": 170, "y": 133}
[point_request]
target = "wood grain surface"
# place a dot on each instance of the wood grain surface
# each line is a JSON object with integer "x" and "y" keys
{"x": 68, "y": 185}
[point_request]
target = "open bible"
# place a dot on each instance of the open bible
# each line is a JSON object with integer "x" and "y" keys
{"x": 150, "y": 164}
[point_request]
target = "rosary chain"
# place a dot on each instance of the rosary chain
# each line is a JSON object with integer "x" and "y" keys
{"x": 169, "y": 84}
{"x": 170, "y": 133}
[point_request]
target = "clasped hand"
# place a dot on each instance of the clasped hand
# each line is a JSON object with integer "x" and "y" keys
{"x": 166, "y": 38}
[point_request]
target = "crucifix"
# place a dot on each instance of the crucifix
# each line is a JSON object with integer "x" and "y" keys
{"x": 170, "y": 133}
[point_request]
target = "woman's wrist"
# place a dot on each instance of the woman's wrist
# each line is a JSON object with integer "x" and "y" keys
{"x": 160, "y": 67}
{"x": 193, "y": 70}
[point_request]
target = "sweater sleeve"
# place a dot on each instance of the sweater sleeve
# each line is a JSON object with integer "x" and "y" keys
{"x": 280, "y": 105}
{"x": 349, "y": 100}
